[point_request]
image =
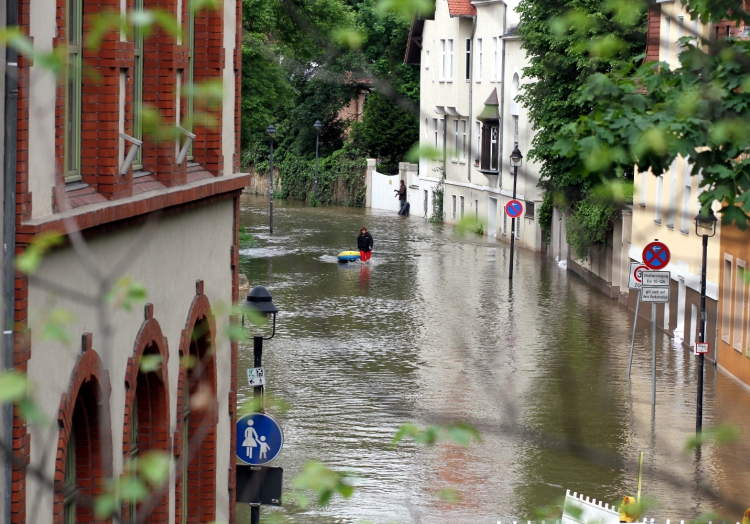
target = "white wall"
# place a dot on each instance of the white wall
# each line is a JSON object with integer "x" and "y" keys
{"x": 185, "y": 248}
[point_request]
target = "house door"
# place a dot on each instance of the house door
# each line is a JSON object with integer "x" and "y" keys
{"x": 492, "y": 217}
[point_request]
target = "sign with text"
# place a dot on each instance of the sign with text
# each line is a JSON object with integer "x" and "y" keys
{"x": 256, "y": 377}
{"x": 634, "y": 278}
{"x": 701, "y": 348}
{"x": 655, "y": 294}
{"x": 655, "y": 278}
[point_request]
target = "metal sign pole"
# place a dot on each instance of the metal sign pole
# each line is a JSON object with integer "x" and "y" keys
{"x": 257, "y": 392}
{"x": 653, "y": 354}
{"x": 632, "y": 340}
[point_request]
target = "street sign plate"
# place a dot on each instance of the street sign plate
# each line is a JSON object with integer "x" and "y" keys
{"x": 259, "y": 485}
{"x": 655, "y": 278}
{"x": 256, "y": 377}
{"x": 514, "y": 208}
{"x": 656, "y": 255}
{"x": 701, "y": 348}
{"x": 655, "y": 294}
{"x": 259, "y": 439}
{"x": 634, "y": 278}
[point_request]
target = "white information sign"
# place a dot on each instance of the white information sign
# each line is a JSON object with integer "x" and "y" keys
{"x": 701, "y": 348}
{"x": 655, "y": 278}
{"x": 634, "y": 278}
{"x": 256, "y": 377}
{"x": 655, "y": 294}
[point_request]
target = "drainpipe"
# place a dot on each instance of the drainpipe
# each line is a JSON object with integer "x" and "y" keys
{"x": 502, "y": 102}
{"x": 9, "y": 236}
{"x": 470, "y": 123}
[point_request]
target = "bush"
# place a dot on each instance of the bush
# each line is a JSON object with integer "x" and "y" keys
{"x": 589, "y": 225}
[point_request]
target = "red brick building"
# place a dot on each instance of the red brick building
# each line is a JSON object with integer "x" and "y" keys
{"x": 166, "y": 217}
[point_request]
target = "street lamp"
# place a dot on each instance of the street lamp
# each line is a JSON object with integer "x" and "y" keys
{"x": 516, "y": 159}
{"x": 259, "y": 301}
{"x": 317, "y": 125}
{"x": 271, "y": 131}
{"x": 705, "y": 226}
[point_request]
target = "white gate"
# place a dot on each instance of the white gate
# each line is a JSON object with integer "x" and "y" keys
{"x": 383, "y": 187}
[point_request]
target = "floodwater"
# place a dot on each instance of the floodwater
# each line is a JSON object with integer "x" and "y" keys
{"x": 432, "y": 332}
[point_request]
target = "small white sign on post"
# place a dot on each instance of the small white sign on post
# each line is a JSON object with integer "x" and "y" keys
{"x": 655, "y": 278}
{"x": 655, "y": 294}
{"x": 256, "y": 377}
{"x": 701, "y": 348}
{"x": 634, "y": 278}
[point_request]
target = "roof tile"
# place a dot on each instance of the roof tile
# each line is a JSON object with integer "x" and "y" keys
{"x": 461, "y": 8}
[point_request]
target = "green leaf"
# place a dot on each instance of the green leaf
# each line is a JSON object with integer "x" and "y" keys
{"x": 105, "y": 505}
{"x": 55, "y": 325}
{"x": 13, "y": 386}
{"x": 125, "y": 293}
{"x": 449, "y": 495}
{"x": 150, "y": 363}
{"x": 29, "y": 261}
{"x": 154, "y": 467}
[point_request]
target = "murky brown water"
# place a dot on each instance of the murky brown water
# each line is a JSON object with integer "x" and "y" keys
{"x": 432, "y": 331}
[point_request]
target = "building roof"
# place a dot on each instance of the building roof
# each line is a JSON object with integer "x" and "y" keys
{"x": 461, "y": 8}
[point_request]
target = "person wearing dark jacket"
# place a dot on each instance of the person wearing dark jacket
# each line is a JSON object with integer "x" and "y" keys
{"x": 364, "y": 243}
{"x": 401, "y": 194}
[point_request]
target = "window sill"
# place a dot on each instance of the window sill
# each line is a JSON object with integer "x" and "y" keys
{"x": 489, "y": 172}
{"x": 670, "y": 227}
{"x": 685, "y": 232}
{"x": 657, "y": 222}
{"x": 642, "y": 205}
{"x": 75, "y": 185}
{"x": 725, "y": 338}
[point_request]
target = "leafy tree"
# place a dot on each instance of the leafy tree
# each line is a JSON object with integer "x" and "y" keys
{"x": 566, "y": 43}
{"x": 699, "y": 110}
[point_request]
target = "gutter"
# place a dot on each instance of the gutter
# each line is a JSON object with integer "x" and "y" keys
{"x": 9, "y": 239}
{"x": 502, "y": 102}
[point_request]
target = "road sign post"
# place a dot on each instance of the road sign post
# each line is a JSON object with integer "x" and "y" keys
{"x": 634, "y": 282}
{"x": 514, "y": 209}
{"x": 655, "y": 289}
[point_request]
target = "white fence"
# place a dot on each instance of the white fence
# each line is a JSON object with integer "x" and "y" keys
{"x": 383, "y": 187}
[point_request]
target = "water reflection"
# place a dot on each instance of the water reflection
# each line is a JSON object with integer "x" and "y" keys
{"x": 432, "y": 331}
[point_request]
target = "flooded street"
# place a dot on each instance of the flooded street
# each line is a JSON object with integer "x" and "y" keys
{"x": 432, "y": 332}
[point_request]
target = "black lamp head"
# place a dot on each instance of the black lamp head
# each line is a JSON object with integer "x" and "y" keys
{"x": 317, "y": 125}
{"x": 259, "y": 299}
{"x": 271, "y": 130}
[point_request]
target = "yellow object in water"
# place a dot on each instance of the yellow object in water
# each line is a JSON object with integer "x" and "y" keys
{"x": 629, "y": 509}
{"x": 746, "y": 518}
{"x": 348, "y": 256}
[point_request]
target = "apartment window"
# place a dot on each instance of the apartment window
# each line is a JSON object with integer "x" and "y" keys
{"x": 468, "y": 59}
{"x": 454, "y": 153}
{"x": 479, "y": 59}
{"x": 441, "y": 137}
{"x": 138, "y": 88}
{"x": 449, "y": 46}
{"x": 70, "y": 490}
{"x": 427, "y": 59}
{"x": 659, "y": 195}
{"x": 686, "y": 199}
{"x": 739, "y": 306}
{"x": 462, "y": 207}
{"x": 529, "y": 211}
{"x": 446, "y": 60}
{"x": 191, "y": 70}
{"x": 505, "y": 222}
{"x": 518, "y": 228}
{"x": 667, "y": 38}
{"x": 680, "y": 32}
{"x": 727, "y": 305}
{"x": 493, "y": 65}
{"x": 476, "y": 209}
{"x": 425, "y": 202}
{"x": 436, "y": 131}
{"x": 463, "y": 141}
{"x": 73, "y": 87}
{"x": 489, "y": 157}
{"x": 453, "y": 207}
{"x": 672, "y": 194}
{"x": 694, "y": 31}
{"x": 427, "y": 128}
{"x": 515, "y": 131}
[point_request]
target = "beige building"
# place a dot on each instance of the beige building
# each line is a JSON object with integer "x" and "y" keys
{"x": 471, "y": 65}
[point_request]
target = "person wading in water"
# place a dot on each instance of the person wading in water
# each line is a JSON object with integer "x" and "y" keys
{"x": 364, "y": 244}
{"x": 401, "y": 194}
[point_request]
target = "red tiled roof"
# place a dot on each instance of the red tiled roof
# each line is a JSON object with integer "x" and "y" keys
{"x": 461, "y": 8}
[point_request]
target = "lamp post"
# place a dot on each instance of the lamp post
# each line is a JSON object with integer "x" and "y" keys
{"x": 271, "y": 131}
{"x": 259, "y": 301}
{"x": 317, "y": 125}
{"x": 516, "y": 159}
{"x": 705, "y": 226}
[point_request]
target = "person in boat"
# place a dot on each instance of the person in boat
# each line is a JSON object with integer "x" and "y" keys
{"x": 364, "y": 244}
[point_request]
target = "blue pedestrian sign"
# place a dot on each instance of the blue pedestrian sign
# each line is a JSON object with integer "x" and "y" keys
{"x": 514, "y": 208}
{"x": 259, "y": 439}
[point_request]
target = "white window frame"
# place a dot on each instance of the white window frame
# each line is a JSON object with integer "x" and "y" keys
{"x": 454, "y": 153}
{"x": 726, "y": 317}
{"x": 435, "y": 126}
{"x": 426, "y": 58}
{"x": 462, "y": 206}
{"x": 468, "y": 60}
{"x": 658, "y": 215}
{"x": 671, "y": 210}
{"x": 687, "y": 198}
{"x": 493, "y": 65}
{"x": 515, "y": 130}
{"x": 667, "y": 37}
{"x": 454, "y": 206}
{"x": 443, "y": 58}
{"x": 479, "y": 60}
{"x": 449, "y": 50}
{"x": 478, "y": 145}
{"x": 462, "y": 157}
{"x": 740, "y": 305}
{"x": 644, "y": 181}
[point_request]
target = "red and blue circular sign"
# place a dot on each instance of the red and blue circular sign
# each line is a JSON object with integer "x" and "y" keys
{"x": 656, "y": 255}
{"x": 514, "y": 208}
